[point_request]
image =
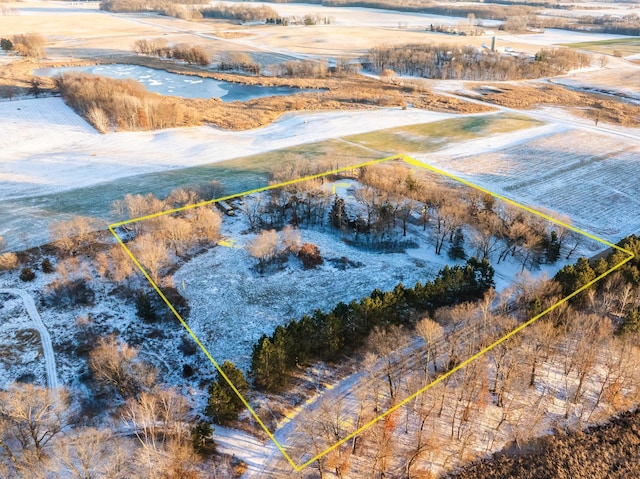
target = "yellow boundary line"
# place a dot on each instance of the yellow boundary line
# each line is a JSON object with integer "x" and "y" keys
{"x": 410, "y": 161}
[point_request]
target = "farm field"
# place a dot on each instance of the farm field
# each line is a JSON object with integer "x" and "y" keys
{"x": 540, "y": 171}
{"x": 626, "y": 46}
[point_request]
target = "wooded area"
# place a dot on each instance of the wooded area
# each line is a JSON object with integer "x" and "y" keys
{"x": 469, "y": 63}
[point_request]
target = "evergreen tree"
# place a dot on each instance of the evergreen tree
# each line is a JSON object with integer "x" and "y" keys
{"x": 268, "y": 365}
{"x": 631, "y": 323}
{"x": 224, "y": 404}
{"x": 456, "y": 250}
{"x": 202, "y": 438}
{"x": 6, "y": 44}
{"x": 338, "y": 214}
{"x": 145, "y": 309}
{"x": 573, "y": 277}
{"x": 47, "y": 267}
{"x": 551, "y": 248}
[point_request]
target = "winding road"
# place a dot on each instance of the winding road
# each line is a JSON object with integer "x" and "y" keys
{"x": 45, "y": 338}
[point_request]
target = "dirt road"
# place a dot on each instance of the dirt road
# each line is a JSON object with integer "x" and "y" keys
{"x": 45, "y": 338}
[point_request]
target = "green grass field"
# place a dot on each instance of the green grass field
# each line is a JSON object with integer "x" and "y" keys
{"x": 431, "y": 136}
{"x": 626, "y": 46}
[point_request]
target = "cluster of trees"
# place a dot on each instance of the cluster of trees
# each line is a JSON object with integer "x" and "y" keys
{"x": 108, "y": 103}
{"x": 329, "y": 336}
{"x": 158, "y": 244}
{"x": 626, "y": 25}
{"x": 143, "y": 5}
{"x": 625, "y": 281}
{"x": 159, "y": 47}
{"x": 43, "y": 431}
{"x": 576, "y": 357}
{"x": 161, "y": 241}
{"x": 492, "y": 12}
{"x": 468, "y": 63}
{"x": 566, "y": 371}
{"x": 389, "y": 198}
{"x": 244, "y": 13}
{"x": 604, "y": 451}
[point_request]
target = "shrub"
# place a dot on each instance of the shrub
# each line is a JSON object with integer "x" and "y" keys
{"x": 187, "y": 370}
{"x": 27, "y": 274}
{"x": 30, "y": 45}
{"x": 6, "y": 44}
{"x": 47, "y": 267}
{"x": 8, "y": 261}
{"x": 188, "y": 347}
{"x": 144, "y": 308}
{"x": 310, "y": 256}
{"x": 126, "y": 103}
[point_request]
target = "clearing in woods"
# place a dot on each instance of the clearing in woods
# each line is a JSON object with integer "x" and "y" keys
{"x": 413, "y": 163}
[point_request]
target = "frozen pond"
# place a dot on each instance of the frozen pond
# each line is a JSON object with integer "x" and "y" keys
{"x": 174, "y": 84}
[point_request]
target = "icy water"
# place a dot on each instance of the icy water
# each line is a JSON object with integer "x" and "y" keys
{"x": 174, "y": 84}
{"x": 25, "y": 221}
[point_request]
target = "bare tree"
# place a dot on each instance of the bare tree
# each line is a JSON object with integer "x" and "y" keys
{"x": 91, "y": 453}
{"x": 252, "y": 207}
{"x": 450, "y": 218}
{"x": 433, "y": 335}
{"x": 151, "y": 252}
{"x": 206, "y": 224}
{"x": 388, "y": 345}
{"x": 31, "y": 418}
{"x": 264, "y": 247}
{"x": 115, "y": 364}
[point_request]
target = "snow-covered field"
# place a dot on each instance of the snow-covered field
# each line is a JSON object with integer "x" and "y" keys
{"x": 45, "y": 147}
{"x": 364, "y": 17}
{"x": 554, "y": 36}
{"x": 581, "y": 174}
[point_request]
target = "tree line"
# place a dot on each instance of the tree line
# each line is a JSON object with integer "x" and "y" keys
{"x": 469, "y": 63}
{"x": 243, "y": 13}
{"x": 330, "y": 336}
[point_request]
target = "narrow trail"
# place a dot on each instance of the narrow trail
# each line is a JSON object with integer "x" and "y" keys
{"x": 45, "y": 338}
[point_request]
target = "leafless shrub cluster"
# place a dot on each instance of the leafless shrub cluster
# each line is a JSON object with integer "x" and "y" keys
{"x": 160, "y": 6}
{"x": 160, "y": 48}
{"x": 30, "y": 45}
{"x": 238, "y": 61}
{"x": 122, "y": 104}
{"x": 301, "y": 69}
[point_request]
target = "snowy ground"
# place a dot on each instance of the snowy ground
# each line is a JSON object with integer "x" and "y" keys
{"x": 232, "y": 305}
{"x": 46, "y": 147}
{"x": 581, "y": 174}
{"x": 364, "y": 17}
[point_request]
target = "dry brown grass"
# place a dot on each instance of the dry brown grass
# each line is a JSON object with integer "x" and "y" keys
{"x": 590, "y": 105}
